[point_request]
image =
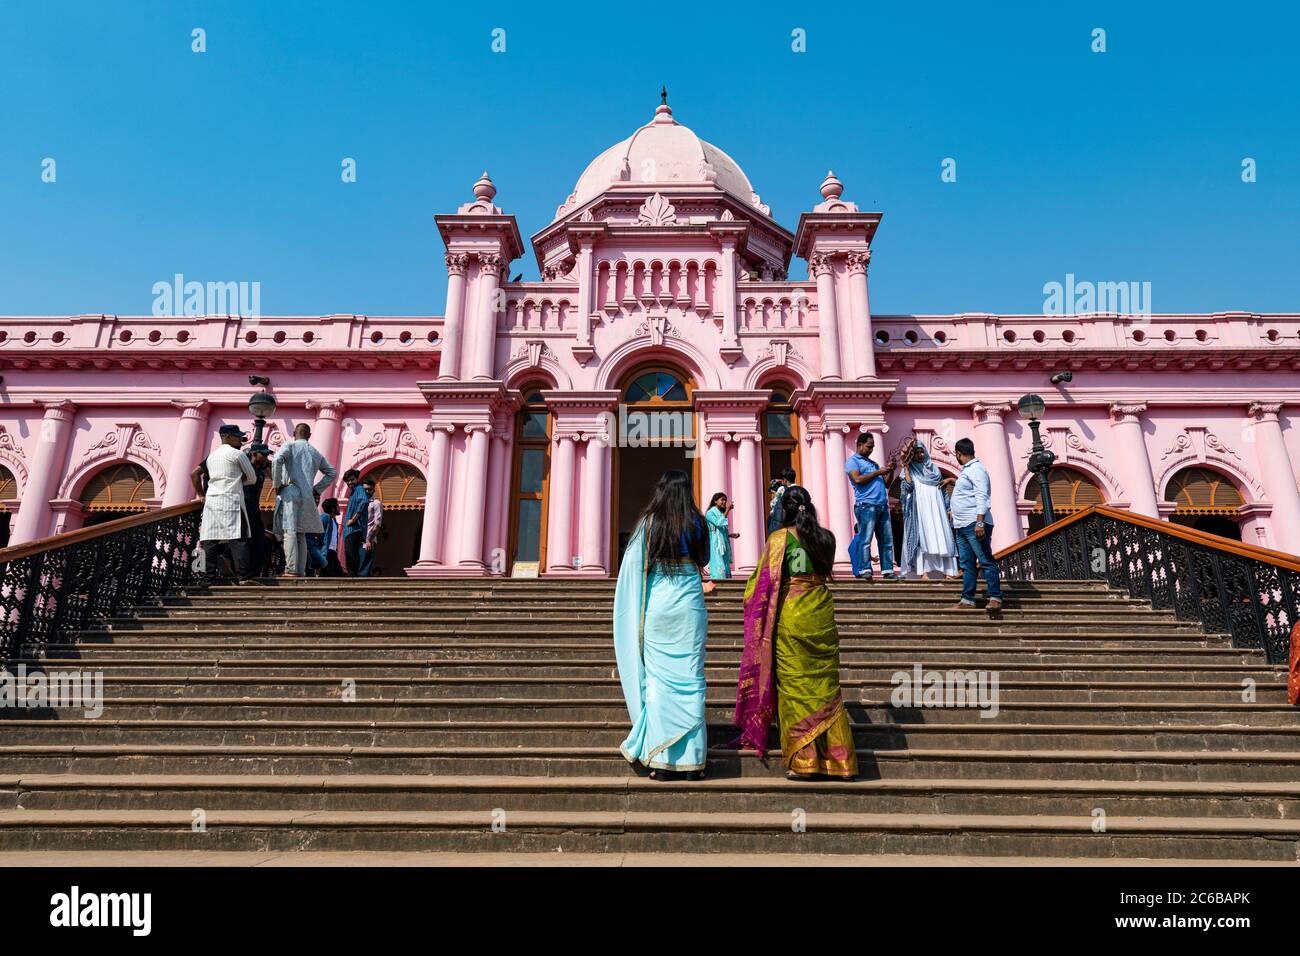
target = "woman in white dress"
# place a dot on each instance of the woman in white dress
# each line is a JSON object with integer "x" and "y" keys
{"x": 929, "y": 547}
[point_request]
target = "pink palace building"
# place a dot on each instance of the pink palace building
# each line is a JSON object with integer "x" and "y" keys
{"x": 503, "y": 434}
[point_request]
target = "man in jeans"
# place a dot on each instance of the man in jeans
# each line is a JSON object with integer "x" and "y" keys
{"x": 969, "y": 511}
{"x": 871, "y": 507}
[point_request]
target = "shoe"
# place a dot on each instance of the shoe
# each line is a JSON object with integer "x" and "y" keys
{"x": 695, "y": 775}
{"x": 962, "y": 606}
{"x": 659, "y": 775}
{"x": 995, "y": 604}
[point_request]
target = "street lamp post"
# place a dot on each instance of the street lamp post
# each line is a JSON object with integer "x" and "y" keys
{"x": 1040, "y": 459}
{"x": 261, "y": 406}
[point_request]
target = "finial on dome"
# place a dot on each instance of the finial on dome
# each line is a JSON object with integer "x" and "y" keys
{"x": 484, "y": 188}
{"x": 663, "y": 112}
{"x": 832, "y": 188}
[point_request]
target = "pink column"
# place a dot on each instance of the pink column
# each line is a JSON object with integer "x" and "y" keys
{"x": 47, "y": 467}
{"x": 1278, "y": 474}
{"x": 327, "y": 433}
{"x": 559, "y": 535}
{"x": 453, "y": 322}
{"x": 828, "y": 325}
{"x": 816, "y": 472}
{"x": 595, "y": 499}
{"x": 992, "y": 449}
{"x": 715, "y": 470}
{"x": 187, "y": 452}
{"x": 485, "y": 318}
{"x": 838, "y": 512}
{"x": 475, "y": 502}
{"x": 864, "y": 350}
{"x": 431, "y": 550}
{"x": 750, "y": 516}
{"x": 498, "y": 492}
{"x": 1132, "y": 459}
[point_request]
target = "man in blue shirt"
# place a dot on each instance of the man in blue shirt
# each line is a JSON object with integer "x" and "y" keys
{"x": 871, "y": 507}
{"x": 973, "y": 526}
{"x": 355, "y": 520}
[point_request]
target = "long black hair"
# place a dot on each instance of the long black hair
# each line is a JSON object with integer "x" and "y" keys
{"x": 713, "y": 502}
{"x": 674, "y": 520}
{"x": 817, "y": 541}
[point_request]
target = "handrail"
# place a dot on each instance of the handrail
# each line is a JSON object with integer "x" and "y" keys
{"x": 13, "y": 552}
{"x": 56, "y": 587}
{"x": 1280, "y": 558}
{"x": 1247, "y": 592}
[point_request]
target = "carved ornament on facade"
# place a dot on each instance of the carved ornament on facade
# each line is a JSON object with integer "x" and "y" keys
{"x": 457, "y": 263}
{"x": 1200, "y": 442}
{"x": 858, "y": 261}
{"x": 126, "y": 442}
{"x": 657, "y": 211}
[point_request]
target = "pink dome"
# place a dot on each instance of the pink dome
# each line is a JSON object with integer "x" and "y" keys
{"x": 662, "y": 153}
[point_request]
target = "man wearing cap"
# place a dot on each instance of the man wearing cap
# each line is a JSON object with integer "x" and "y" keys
{"x": 225, "y": 525}
{"x": 295, "y": 509}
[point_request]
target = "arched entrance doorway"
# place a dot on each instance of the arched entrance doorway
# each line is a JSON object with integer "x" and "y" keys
{"x": 401, "y": 488}
{"x": 656, "y": 435}
{"x": 528, "y": 485}
{"x": 780, "y": 436}
{"x": 1072, "y": 491}
{"x": 1205, "y": 500}
{"x": 8, "y": 492}
{"x": 115, "y": 492}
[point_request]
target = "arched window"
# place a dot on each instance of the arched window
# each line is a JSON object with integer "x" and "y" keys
{"x": 529, "y": 482}
{"x": 1205, "y": 500}
{"x": 399, "y": 486}
{"x": 1072, "y": 491}
{"x": 656, "y": 386}
{"x": 8, "y": 485}
{"x": 116, "y": 491}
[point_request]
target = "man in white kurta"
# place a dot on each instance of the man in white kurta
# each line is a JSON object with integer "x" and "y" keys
{"x": 292, "y": 471}
{"x": 224, "y": 527}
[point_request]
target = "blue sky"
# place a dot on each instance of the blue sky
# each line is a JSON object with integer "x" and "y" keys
{"x": 225, "y": 165}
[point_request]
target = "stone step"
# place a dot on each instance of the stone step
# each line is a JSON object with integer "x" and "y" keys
{"x": 1022, "y": 708}
{"x": 1242, "y": 740}
{"x": 619, "y": 831}
{"x": 857, "y": 602}
{"x": 290, "y": 792}
{"x": 720, "y": 667}
{"x": 519, "y": 759}
{"x": 487, "y": 654}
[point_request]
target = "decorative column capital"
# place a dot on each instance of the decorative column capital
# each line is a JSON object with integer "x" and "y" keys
{"x": 191, "y": 411}
{"x": 472, "y": 427}
{"x": 821, "y": 264}
{"x": 858, "y": 262}
{"x": 61, "y": 411}
{"x": 326, "y": 411}
{"x": 491, "y": 263}
{"x": 990, "y": 412}
{"x": 457, "y": 263}
{"x": 1264, "y": 411}
{"x": 1125, "y": 412}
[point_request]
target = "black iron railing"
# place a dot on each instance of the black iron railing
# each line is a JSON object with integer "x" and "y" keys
{"x": 1249, "y": 593}
{"x": 53, "y": 588}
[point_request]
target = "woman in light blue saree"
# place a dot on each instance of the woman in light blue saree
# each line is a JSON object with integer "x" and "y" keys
{"x": 660, "y": 628}
{"x": 720, "y": 535}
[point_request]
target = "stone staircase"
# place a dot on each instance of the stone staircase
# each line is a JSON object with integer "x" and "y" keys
{"x": 458, "y": 716}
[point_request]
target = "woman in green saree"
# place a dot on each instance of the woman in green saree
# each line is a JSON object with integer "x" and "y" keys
{"x": 790, "y": 667}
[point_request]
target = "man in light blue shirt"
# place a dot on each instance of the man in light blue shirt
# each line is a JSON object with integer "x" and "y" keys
{"x": 871, "y": 508}
{"x": 973, "y": 526}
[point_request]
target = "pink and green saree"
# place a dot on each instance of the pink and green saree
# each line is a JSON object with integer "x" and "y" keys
{"x": 790, "y": 667}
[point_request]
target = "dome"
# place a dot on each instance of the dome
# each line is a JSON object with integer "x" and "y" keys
{"x": 663, "y": 153}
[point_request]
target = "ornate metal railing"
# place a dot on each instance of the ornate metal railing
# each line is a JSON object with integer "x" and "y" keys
{"x": 1249, "y": 593}
{"x": 53, "y": 588}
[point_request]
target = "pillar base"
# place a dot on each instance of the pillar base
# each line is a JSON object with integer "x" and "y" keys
{"x": 575, "y": 573}
{"x": 433, "y": 569}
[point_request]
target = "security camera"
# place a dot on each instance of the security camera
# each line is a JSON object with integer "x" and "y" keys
{"x": 1060, "y": 377}
{"x": 258, "y": 380}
